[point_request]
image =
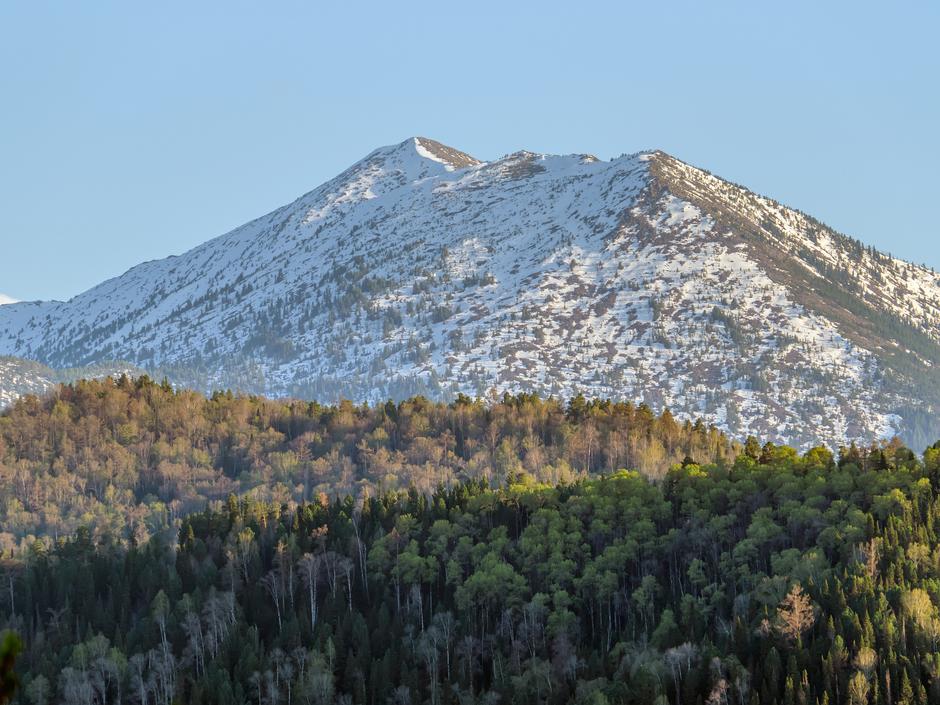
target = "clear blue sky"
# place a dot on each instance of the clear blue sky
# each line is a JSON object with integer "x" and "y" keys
{"x": 131, "y": 131}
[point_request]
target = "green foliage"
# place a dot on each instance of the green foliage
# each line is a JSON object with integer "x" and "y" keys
{"x": 776, "y": 579}
{"x": 10, "y": 647}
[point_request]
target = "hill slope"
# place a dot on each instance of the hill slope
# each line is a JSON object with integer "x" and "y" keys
{"x": 19, "y": 377}
{"x": 421, "y": 269}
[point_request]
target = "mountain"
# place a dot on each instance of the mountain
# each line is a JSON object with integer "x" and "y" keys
{"x": 421, "y": 269}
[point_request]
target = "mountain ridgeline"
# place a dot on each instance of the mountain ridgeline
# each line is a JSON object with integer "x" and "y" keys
{"x": 422, "y": 270}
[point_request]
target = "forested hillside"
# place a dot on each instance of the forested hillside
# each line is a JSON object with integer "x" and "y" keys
{"x": 773, "y": 579}
{"x": 127, "y": 458}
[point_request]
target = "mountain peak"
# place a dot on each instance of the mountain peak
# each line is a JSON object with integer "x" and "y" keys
{"x": 424, "y": 148}
{"x": 432, "y": 149}
{"x": 421, "y": 270}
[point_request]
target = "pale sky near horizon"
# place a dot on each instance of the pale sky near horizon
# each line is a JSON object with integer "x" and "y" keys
{"x": 130, "y": 132}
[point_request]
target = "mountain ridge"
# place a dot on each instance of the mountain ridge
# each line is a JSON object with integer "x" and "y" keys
{"x": 421, "y": 269}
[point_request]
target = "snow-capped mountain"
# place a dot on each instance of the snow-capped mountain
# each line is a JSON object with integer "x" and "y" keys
{"x": 421, "y": 269}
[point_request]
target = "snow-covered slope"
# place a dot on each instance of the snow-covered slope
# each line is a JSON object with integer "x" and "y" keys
{"x": 423, "y": 270}
{"x": 19, "y": 377}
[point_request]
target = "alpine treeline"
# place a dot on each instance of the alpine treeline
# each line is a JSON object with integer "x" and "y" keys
{"x": 774, "y": 578}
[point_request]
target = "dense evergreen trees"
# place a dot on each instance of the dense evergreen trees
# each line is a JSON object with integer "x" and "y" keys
{"x": 775, "y": 578}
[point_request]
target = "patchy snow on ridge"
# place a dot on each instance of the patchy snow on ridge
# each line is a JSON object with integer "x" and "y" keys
{"x": 421, "y": 269}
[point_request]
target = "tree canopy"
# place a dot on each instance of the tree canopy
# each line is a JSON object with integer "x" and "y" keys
{"x": 126, "y": 459}
{"x": 770, "y": 578}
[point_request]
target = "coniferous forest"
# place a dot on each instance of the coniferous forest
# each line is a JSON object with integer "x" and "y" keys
{"x": 243, "y": 550}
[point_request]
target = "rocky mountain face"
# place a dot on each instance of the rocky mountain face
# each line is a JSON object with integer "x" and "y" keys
{"x": 421, "y": 269}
